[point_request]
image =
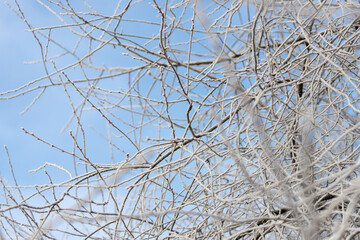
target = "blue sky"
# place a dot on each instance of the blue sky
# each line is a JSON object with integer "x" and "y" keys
{"x": 18, "y": 47}
{"x": 51, "y": 112}
{"x": 48, "y": 116}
